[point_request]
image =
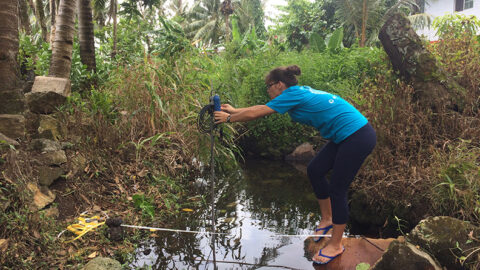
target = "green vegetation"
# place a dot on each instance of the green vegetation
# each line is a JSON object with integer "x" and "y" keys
{"x": 134, "y": 119}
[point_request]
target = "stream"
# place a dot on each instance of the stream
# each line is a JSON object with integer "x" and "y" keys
{"x": 255, "y": 205}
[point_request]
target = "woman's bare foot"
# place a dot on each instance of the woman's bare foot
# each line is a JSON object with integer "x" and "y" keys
{"x": 329, "y": 252}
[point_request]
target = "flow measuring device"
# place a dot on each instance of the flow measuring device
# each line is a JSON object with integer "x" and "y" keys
{"x": 206, "y": 120}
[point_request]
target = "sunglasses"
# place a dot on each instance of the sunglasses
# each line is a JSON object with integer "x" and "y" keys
{"x": 271, "y": 84}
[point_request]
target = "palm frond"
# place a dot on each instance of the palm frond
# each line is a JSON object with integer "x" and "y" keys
{"x": 421, "y": 20}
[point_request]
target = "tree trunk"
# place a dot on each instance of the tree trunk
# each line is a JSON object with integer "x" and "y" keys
{"x": 364, "y": 24}
{"x": 61, "y": 63}
{"x": 114, "y": 50}
{"x": 23, "y": 12}
{"x": 432, "y": 87}
{"x": 53, "y": 14}
{"x": 9, "y": 74}
{"x": 40, "y": 14}
{"x": 85, "y": 34}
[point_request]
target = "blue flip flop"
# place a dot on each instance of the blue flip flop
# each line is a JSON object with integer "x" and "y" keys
{"x": 324, "y": 231}
{"x": 330, "y": 258}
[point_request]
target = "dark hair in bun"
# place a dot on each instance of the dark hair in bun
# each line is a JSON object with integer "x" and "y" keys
{"x": 286, "y": 75}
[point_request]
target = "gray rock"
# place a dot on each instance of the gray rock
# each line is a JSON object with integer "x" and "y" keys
{"x": 403, "y": 255}
{"x": 303, "y": 152}
{"x": 47, "y": 174}
{"x": 45, "y": 145}
{"x": 78, "y": 163}
{"x": 54, "y": 157}
{"x": 49, "y": 128}
{"x": 440, "y": 237}
{"x": 44, "y": 102}
{"x": 12, "y": 125}
{"x": 13, "y": 102}
{"x": 44, "y": 84}
{"x": 101, "y": 263}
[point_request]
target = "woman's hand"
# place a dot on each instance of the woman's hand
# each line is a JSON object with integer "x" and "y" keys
{"x": 228, "y": 108}
{"x": 221, "y": 117}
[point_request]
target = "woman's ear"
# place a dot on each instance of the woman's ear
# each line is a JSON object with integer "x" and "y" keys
{"x": 282, "y": 85}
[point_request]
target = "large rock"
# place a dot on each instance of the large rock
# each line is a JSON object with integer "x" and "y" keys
{"x": 414, "y": 62}
{"x": 447, "y": 239}
{"x": 54, "y": 158}
{"x": 44, "y": 102}
{"x": 13, "y": 102}
{"x": 42, "y": 196}
{"x": 48, "y": 93}
{"x": 357, "y": 250}
{"x": 45, "y": 145}
{"x": 12, "y": 125}
{"x": 44, "y": 84}
{"x": 48, "y": 174}
{"x": 304, "y": 152}
{"x": 403, "y": 255}
{"x": 49, "y": 128}
{"x": 102, "y": 263}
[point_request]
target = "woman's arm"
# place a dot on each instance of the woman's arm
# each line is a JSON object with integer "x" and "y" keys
{"x": 243, "y": 114}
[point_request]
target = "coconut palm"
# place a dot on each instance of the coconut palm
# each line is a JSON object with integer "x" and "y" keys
{"x": 24, "y": 20}
{"x": 102, "y": 8}
{"x": 205, "y": 20}
{"x": 9, "y": 44}
{"x": 40, "y": 15}
{"x": 367, "y": 16}
{"x": 178, "y": 7}
{"x": 61, "y": 62}
{"x": 248, "y": 13}
{"x": 227, "y": 10}
{"x": 85, "y": 34}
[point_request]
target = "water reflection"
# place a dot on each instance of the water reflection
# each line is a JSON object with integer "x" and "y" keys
{"x": 253, "y": 206}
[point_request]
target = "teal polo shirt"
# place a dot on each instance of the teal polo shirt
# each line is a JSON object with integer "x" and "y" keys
{"x": 332, "y": 116}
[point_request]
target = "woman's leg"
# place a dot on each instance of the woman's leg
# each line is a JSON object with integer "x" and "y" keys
{"x": 317, "y": 170}
{"x": 350, "y": 156}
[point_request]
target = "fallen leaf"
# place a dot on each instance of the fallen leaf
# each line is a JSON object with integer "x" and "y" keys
{"x": 187, "y": 210}
{"x": 3, "y": 245}
{"x": 92, "y": 255}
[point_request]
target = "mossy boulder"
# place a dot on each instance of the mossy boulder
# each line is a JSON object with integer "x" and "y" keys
{"x": 448, "y": 239}
{"x": 403, "y": 255}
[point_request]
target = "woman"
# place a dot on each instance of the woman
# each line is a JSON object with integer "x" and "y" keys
{"x": 351, "y": 140}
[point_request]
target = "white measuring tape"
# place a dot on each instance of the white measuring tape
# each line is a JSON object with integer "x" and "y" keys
{"x": 200, "y": 232}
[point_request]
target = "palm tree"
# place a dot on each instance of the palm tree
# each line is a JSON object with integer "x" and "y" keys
{"x": 100, "y": 14}
{"x": 205, "y": 22}
{"x": 227, "y": 10}
{"x": 248, "y": 13}
{"x": 367, "y": 16}
{"x": 61, "y": 63}
{"x": 40, "y": 15}
{"x": 9, "y": 44}
{"x": 85, "y": 34}
{"x": 53, "y": 14}
{"x": 179, "y": 8}
{"x": 24, "y": 20}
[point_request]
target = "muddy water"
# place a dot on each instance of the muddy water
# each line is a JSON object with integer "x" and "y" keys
{"x": 254, "y": 206}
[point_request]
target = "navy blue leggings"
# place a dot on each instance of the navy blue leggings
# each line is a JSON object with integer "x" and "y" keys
{"x": 344, "y": 159}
